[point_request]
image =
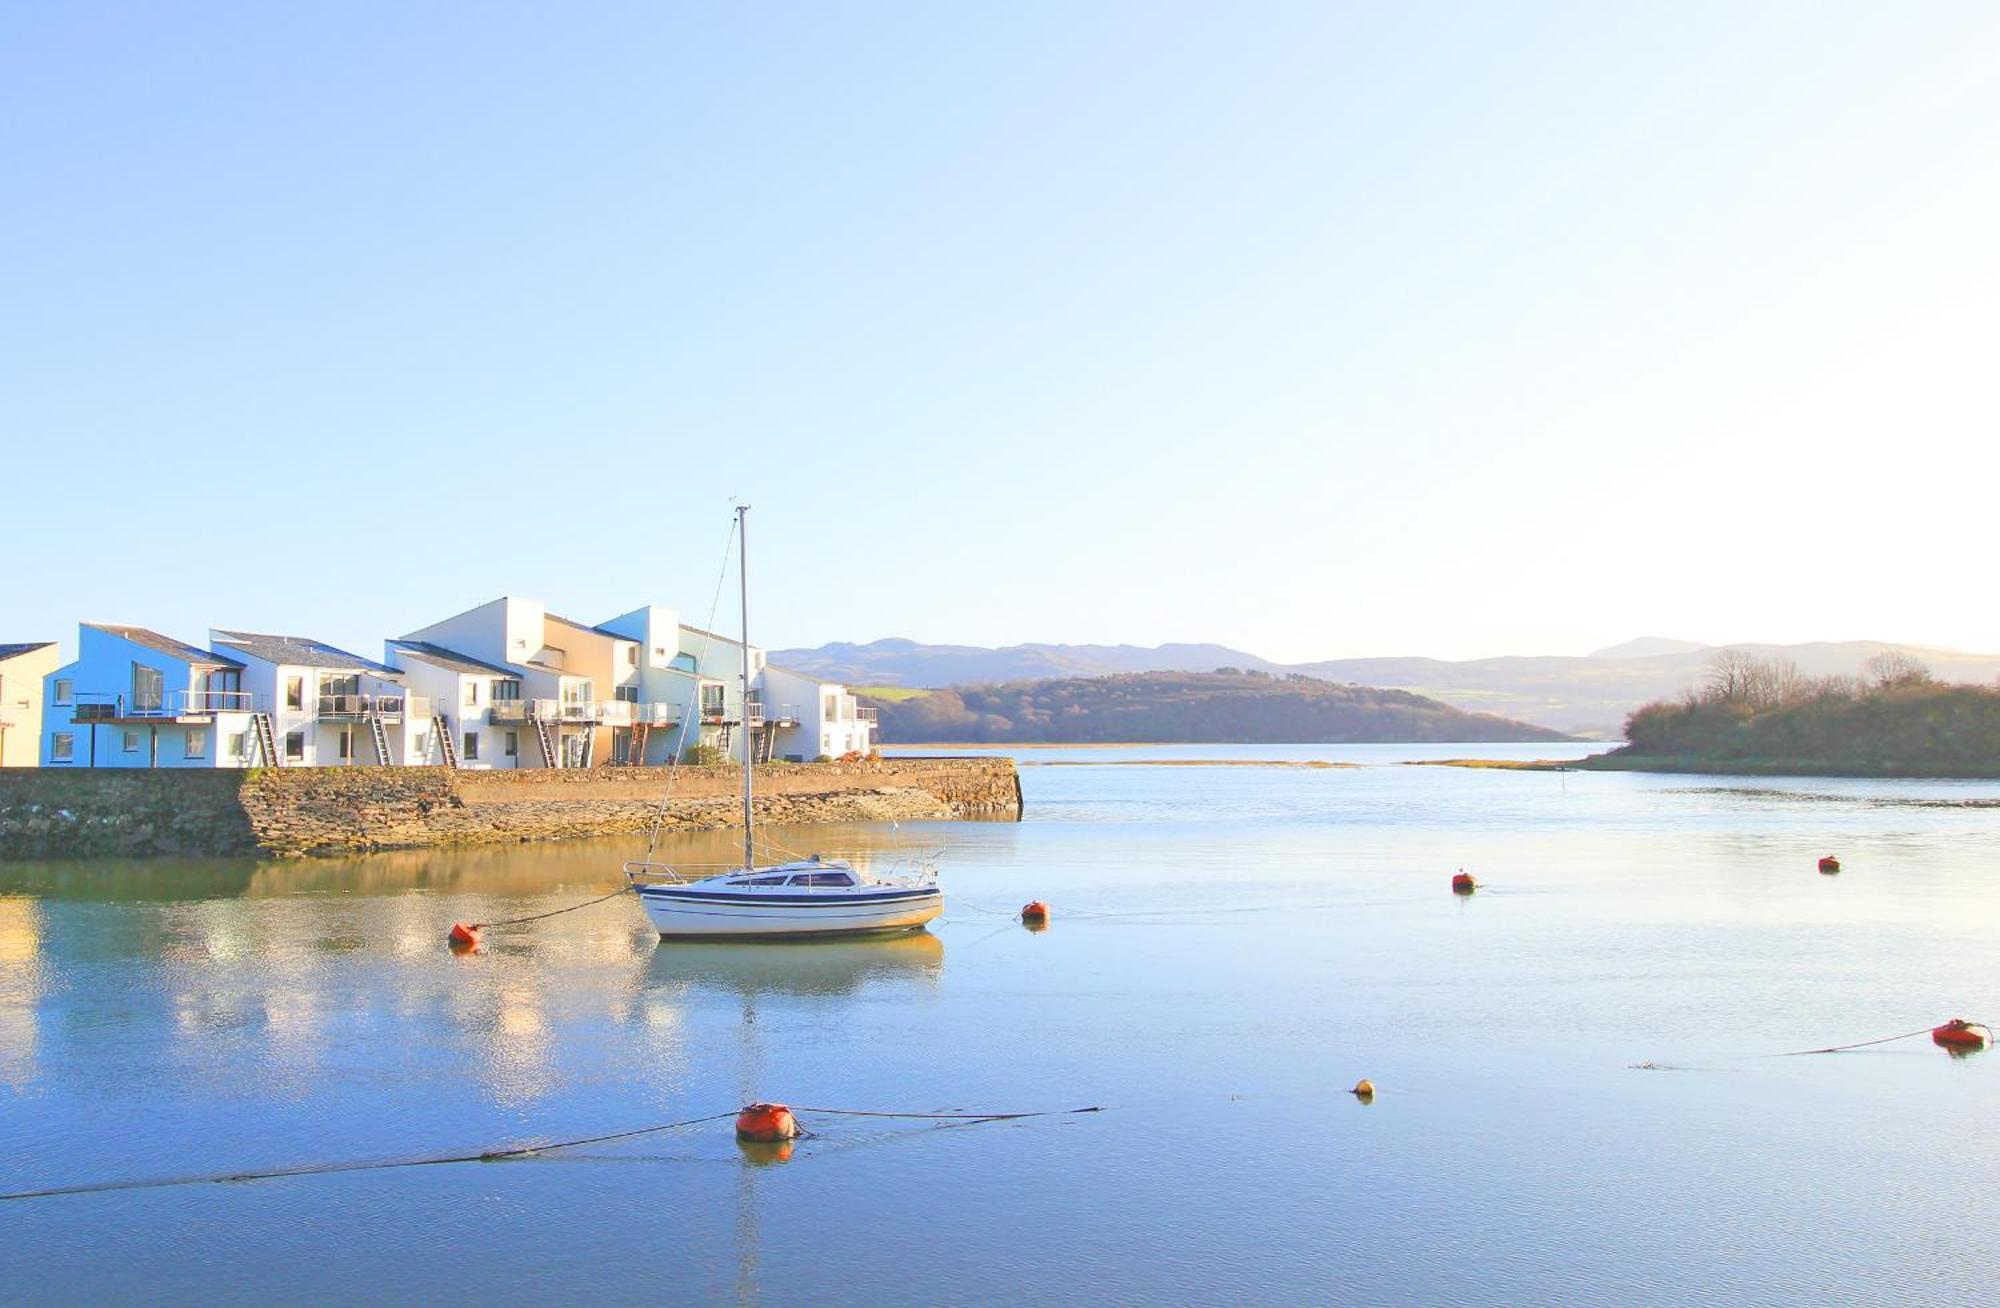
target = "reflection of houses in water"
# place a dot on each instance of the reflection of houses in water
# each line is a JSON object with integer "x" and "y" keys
{"x": 265, "y": 970}
{"x": 21, "y": 986}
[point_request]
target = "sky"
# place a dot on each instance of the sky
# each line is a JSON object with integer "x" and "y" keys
{"x": 1318, "y": 330}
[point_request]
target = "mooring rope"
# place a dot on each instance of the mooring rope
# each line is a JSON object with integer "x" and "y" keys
{"x": 1863, "y": 1044}
{"x": 372, "y": 1165}
{"x": 558, "y": 912}
{"x": 490, "y": 1155}
{"x": 955, "y": 1117}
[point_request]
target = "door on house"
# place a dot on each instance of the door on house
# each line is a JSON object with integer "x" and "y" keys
{"x": 149, "y": 687}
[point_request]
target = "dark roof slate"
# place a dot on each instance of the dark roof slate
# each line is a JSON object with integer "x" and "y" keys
{"x": 153, "y": 640}
{"x": 299, "y": 652}
{"x": 450, "y": 659}
{"x": 26, "y": 647}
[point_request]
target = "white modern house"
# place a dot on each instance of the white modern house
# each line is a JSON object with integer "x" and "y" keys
{"x": 578, "y": 697}
{"x": 463, "y": 694}
{"x": 24, "y": 668}
{"x": 790, "y": 715}
{"x": 814, "y": 718}
{"x": 322, "y": 706}
{"x": 134, "y": 698}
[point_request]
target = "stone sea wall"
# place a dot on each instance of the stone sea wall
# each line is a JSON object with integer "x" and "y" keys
{"x": 136, "y": 813}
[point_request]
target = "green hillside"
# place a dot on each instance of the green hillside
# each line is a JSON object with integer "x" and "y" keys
{"x": 1222, "y": 706}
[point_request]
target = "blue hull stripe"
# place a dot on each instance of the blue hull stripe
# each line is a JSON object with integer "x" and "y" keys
{"x": 789, "y": 901}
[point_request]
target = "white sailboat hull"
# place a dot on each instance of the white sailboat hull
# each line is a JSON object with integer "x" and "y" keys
{"x": 697, "y": 912}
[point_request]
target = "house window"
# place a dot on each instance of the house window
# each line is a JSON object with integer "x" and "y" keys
{"x": 711, "y": 701}
{"x": 295, "y": 744}
{"x": 627, "y": 694}
{"x": 131, "y": 741}
{"x": 511, "y": 744}
{"x": 631, "y": 656}
{"x": 506, "y": 692}
{"x": 62, "y": 747}
{"x": 472, "y": 694}
{"x": 148, "y": 687}
{"x": 295, "y": 692}
{"x": 239, "y": 744}
{"x": 471, "y": 750}
{"x": 65, "y": 691}
{"x": 197, "y": 743}
{"x": 345, "y": 741}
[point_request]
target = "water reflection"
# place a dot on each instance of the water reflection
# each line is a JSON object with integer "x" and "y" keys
{"x": 800, "y": 968}
{"x": 21, "y": 986}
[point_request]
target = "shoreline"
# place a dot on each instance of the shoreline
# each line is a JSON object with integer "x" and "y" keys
{"x": 1700, "y": 767}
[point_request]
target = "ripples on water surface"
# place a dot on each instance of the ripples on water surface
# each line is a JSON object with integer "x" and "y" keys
{"x": 1284, "y": 932}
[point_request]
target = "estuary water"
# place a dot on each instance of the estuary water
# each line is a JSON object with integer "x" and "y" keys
{"x": 1577, "y": 1101}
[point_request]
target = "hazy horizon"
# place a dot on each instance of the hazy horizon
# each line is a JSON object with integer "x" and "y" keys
{"x": 1314, "y": 330}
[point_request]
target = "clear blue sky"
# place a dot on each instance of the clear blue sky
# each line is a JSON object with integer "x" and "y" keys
{"x": 1318, "y": 329}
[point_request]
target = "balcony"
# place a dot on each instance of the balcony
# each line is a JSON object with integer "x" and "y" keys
{"x": 656, "y": 714}
{"x": 867, "y": 715}
{"x": 176, "y": 706}
{"x": 390, "y": 708}
{"x": 565, "y": 712}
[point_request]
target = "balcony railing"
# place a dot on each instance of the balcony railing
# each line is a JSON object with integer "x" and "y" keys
{"x": 867, "y": 713}
{"x": 372, "y": 706}
{"x": 583, "y": 712}
{"x": 92, "y": 706}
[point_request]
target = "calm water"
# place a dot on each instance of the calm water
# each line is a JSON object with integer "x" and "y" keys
{"x": 1232, "y": 948}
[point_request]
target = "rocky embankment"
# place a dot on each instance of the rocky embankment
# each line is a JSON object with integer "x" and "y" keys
{"x": 287, "y": 812}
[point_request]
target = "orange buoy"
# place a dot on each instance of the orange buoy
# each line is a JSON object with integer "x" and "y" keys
{"x": 1364, "y": 1090}
{"x": 1829, "y": 864}
{"x": 766, "y": 1123}
{"x": 463, "y": 936}
{"x": 1034, "y": 911}
{"x": 1463, "y": 884}
{"x": 1959, "y": 1034}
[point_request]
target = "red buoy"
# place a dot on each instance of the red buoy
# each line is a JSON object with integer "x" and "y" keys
{"x": 766, "y": 1123}
{"x": 1034, "y": 911}
{"x": 1959, "y": 1034}
{"x": 1829, "y": 864}
{"x": 1463, "y": 884}
{"x": 463, "y": 935}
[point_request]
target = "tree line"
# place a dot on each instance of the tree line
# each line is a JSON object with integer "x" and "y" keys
{"x": 1894, "y": 717}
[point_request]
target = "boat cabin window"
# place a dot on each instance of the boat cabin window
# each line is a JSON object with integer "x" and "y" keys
{"x": 823, "y": 879}
{"x": 759, "y": 881}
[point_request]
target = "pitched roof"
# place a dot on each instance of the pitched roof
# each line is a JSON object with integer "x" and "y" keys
{"x": 28, "y": 647}
{"x": 165, "y": 644}
{"x": 298, "y": 652}
{"x": 449, "y": 659}
{"x": 713, "y": 635}
{"x": 585, "y": 626}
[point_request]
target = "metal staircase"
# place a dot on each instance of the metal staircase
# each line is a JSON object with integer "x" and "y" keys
{"x": 381, "y": 739}
{"x": 635, "y": 749}
{"x": 441, "y": 733}
{"x": 548, "y": 744}
{"x": 589, "y": 747}
{"x": 267, "y": 738}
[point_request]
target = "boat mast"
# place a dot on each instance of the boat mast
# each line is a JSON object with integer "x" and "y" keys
{"x": 743, "y": 580}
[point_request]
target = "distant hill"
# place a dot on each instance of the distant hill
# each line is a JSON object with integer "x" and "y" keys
{"x": 1185, "y": 706}
{"x": 898, "y": 662}
{"x": 1589, "y": 695}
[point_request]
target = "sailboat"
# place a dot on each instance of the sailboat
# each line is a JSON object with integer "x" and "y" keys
{"x": 805, "y": 899}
